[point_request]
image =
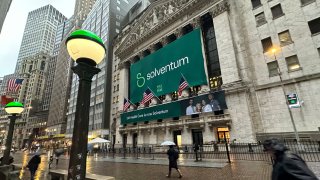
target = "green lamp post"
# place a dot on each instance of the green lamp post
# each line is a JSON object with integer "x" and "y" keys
{"x": 87, "y": 49}
{"x": 13, "y": 109}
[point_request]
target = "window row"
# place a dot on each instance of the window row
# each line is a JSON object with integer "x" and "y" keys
{"x": 257, "y": 3}
{"x": 292, "y": 65}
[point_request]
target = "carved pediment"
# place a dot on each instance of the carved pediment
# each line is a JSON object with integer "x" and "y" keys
{"x": 156, "y": 13}
{"x": 158, "y": 16}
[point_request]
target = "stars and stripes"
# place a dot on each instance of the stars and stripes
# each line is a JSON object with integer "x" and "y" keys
{"x": 126, "y": 104}
{"x": 182, "y": 86}
{"x": 14, "y": 84}
{"x": 147, "y": 96}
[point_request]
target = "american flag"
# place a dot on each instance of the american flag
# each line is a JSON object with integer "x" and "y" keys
{"x": 126, "y": 104}
{"x": 14, "y": 85}
{"x": 182, "y": 86}
{"x": 147, "y": 96}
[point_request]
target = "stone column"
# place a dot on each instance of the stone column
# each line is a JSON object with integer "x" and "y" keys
{"x": 225, "y": 44}
{"x": 124, "y": 80}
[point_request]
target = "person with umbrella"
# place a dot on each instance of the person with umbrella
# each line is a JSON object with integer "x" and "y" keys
{"x": 173, "y": 156}
{"x": 33, "y": 164}
{"x": 58, "y": 152}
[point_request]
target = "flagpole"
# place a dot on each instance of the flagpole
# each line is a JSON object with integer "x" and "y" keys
{"x": 154, "y": 94}
{"x": 185, "y": 78}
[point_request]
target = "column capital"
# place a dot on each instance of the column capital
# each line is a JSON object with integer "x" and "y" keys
{"x": 219, "y": 8}
{"x": 196, "y": 22}
{"x": 124, "y": 65}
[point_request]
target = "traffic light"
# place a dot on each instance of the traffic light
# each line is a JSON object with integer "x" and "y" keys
{"x": 293, "y": 100}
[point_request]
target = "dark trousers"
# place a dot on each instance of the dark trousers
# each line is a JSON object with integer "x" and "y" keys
{"x": 32, "y": 173}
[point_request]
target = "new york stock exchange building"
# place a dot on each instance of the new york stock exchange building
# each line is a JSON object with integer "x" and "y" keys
{"x": 200, "y": 71}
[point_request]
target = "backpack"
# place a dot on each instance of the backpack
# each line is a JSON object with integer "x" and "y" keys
{"x": 176, "y": 154}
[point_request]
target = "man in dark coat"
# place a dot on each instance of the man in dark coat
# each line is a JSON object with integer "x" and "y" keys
{"x": 173, "y": 155}
{"x": 33, "y": 164}
{"x": 287, "y": 165}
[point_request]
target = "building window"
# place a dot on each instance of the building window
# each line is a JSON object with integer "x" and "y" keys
{"x": 314, "y": 26}
{"x": 126, "y": 1}
{"x": 285, "y": 38}
{"x": 117, "y": 23}
{"x": 277, "y": 11}
{"x": 118, "y": 8}
{"x": 117, "y": 30}
{"x": 273, "y": 68}
{"x": 266, "y": 44}
{"x": 118, "y": 1}
{"x": 260, "y": 19}
{"x": 293, "y": 63}
{"x": 306, "y": 2}
{"x": 255, "y": 3}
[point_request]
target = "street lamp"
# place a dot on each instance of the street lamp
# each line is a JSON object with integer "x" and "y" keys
{"x": 87, "y": 49}
{"x": 274, "y": 50}
{"x": 13, "y": 109}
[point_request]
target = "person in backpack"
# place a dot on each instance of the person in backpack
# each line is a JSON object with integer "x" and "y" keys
{"x": 287, "y": 165}
{"x": 173, "y": 155}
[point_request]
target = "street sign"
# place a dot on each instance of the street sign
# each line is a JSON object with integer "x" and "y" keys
{"x": 293, "y": 100}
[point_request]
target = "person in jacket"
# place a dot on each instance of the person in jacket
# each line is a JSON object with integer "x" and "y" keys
{"x": 173, "y": 155}
{"x": 287, "y": 165}
{"x": 33, "y": 164}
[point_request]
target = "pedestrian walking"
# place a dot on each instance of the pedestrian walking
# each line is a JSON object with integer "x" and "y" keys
{"x": 173, "y": 156}
{"x": 196, "y": 150}
{"x": 50, "y": 161}
{"x": 33, "y": 164}
{"x": 57, "y": 158}
{"x": 287, "y": 165}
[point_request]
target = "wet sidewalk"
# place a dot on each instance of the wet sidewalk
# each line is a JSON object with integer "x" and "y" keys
{"x": 147, "y": 169}
{"x": 164, "y": 161}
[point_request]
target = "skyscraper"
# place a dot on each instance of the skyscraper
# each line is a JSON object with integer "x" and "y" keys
{"x": 59, "y": 87}
{"x": 32, "y": 65}
{"x": 104, "y": 20}
{"x": 4, "y": 8}
{"x": 81, "y": 10}
{"x": 39, "y": 32}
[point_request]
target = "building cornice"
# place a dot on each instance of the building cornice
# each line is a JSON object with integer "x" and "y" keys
{"x": 288, "y": 81}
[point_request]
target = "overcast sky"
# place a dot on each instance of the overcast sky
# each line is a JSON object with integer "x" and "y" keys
{"x": 13, "y": 27}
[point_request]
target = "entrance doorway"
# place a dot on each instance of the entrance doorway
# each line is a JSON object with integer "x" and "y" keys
{"x": 197, "y": 136}
{"x": 223, "y": 135}
{"x": 177, "y": 137}
{"x": 124, "y": 140}
{"x": 135, "y": 140}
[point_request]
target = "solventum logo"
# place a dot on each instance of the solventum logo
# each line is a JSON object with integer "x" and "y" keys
{"x": 171, "y": 66}
{"x": 140, "y": 80}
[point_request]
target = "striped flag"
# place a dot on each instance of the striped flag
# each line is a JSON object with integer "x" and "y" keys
{"x": 182, "y": 86}
{"x": 14, "y": 85}
{"x": 147, "y": 96}
{"x": 126, "y": 104}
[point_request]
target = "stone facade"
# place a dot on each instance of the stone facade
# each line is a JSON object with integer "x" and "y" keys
{"x": 256, "y": 103}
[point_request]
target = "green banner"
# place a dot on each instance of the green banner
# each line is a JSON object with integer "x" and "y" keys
{"x": 211, "y": 103}
{"x": 152, "y": 113}
{"x": 162, "y": 70}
